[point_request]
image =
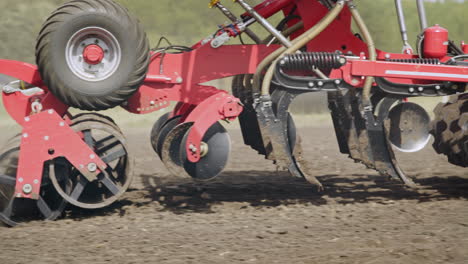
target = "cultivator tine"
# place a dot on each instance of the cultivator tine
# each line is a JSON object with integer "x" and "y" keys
{"x": 340, "y": 119}
{"x": 276, "y": 135}
{"x": 7, "y": 180}
{"x": 305, "y": 165}
{"x": 365, "y": 137}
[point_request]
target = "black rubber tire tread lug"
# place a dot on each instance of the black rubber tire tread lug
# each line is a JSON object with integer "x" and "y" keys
{"x": 449, "y": 136}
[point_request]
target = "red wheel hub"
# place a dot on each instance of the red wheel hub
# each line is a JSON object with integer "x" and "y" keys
{"x": 93, "y": 54}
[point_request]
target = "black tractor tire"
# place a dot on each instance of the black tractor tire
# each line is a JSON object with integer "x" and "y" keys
{"x": 123, "y": 42}
{"x": 450, "y": 130}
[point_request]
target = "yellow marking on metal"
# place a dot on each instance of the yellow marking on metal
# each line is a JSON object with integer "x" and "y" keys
{"x": 213, "y": 3}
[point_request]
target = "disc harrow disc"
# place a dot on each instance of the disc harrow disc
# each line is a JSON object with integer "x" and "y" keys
{"x": 157, "y": 129}
{"x": 409, "y": 127}
{"x": 109, "y": 144}
{"x": 216, "y": 147}
{"x": 163, "y": 132}
{"x": 170, "y": 151}
{"x": 14, "y": 211}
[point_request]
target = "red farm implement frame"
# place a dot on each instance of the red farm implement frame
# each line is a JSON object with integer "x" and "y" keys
{"x": 272, "y": 73}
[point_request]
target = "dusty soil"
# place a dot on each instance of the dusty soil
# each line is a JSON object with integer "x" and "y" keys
{"x": 254, "y": 214}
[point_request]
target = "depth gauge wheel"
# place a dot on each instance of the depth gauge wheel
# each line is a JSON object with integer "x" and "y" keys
{"x": 92, "y": 54}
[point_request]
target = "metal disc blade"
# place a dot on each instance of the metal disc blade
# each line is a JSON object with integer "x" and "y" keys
{"x": 163, "y": 132}
{"x": 170, "y": 152}
{"x": 157, "y": 128}
{"x": 292, "y": 132}
{"x": 409, "y": 127}
{"x": 213, "y": 163}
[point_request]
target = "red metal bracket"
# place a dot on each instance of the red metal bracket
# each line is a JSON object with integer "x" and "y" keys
{"x": 221, "y": 106}
{"x": 409, "y": 71}
{"x": 17, "y": 104}
{"x": 464, "y": 47}
{"x": 46, "y": 136}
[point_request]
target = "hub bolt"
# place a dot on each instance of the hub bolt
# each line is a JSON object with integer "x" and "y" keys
{"x": 27, "y": 188}
{"x": 193, "y": 148}
{"x": 421, "y": 89}
{"x": 342, "y": 60}
{"x": 411, "y": 90}
{"x": 203, "y": 149}
{"x": 92, "y": 167}
{"x": 93, "y": 54}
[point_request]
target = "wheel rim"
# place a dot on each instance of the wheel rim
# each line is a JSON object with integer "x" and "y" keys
{"x": 93, "y": 54}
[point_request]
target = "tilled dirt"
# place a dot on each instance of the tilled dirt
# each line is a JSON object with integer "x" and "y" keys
{"x": 254, "y": 214}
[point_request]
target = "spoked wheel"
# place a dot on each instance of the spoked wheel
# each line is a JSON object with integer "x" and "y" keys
{"x": 14, "y": 211}
{"x": 110, "y": 145}
{"x": 215, "y": 150}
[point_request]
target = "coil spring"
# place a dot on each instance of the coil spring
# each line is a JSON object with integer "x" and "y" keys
{"x": 307, "y": 60}
{"x": 417, "y": 61}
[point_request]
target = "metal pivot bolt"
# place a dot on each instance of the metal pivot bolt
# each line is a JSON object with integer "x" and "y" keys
{"x": 203, "y": 149}
{"x": 92, "y": 167}
{"x": 27, "y": 188}
{"x": 193, "y": 148}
